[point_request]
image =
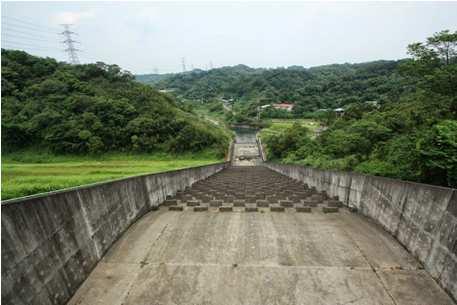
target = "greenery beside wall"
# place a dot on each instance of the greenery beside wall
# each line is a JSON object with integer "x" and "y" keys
{"x": 31, "y": 172}
{"x": 412, "y": 136}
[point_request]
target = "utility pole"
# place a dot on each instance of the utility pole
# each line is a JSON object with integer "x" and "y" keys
{"x": 70, "y": 44}
{"x": 183, "y": 62}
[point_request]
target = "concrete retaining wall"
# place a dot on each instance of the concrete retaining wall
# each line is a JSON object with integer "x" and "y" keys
{"x": 422, "y": 217}
{"x": 51, "y": 242}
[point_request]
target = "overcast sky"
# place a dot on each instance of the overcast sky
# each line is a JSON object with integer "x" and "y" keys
{"x": 141, "y": 37}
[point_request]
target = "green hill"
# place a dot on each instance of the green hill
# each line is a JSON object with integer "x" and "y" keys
{"x": 310, "y": 89}
{"x": 93, "y": 108}
{"x": 411, "y": 135}
{"x": 152, "y": 78}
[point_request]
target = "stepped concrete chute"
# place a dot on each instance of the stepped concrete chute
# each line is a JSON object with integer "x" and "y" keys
{"x": 51, "y": 242}
{"x": 238, "y": 235}
{"x": 242, "y": 237}
{"x": 245, "y": 148}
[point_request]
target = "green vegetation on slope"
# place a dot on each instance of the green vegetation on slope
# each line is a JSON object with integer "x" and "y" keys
{"x": 152, "y": 78}
{"x": 27, "y": 173}
{"x": 279, "y": 126}
{"x": 92, "y": 109}
{"x": 310, "y": 89}
{"x": 412, "y": 137}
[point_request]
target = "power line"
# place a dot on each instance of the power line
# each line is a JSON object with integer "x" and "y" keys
{"x": 30, "y": 32}
{"x": 27, "y": 28}
{"x": 17, "y": 43}
{"x": 25, "y": 37}
{"x": 70, "y": 44}
{"x": 16, "y": 46}
{"x": 8, "y": 40}
{"x": 27, "y": 23}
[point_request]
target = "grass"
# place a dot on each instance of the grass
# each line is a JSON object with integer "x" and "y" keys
{"x": 28, "y": 173}
{"x": 215, "y": 117}
{"x": 279, "y": 125}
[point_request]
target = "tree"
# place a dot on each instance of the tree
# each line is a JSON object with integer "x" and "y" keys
{"x": 438, "y": 151}
{"x": 91, "y": 109}
{"x": 434, "y": 62}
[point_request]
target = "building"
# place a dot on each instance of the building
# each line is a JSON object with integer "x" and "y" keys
{"x": 339, "y": 111}
{"x": 284, "y": 106}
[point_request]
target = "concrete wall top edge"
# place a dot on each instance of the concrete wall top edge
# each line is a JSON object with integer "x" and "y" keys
{"x": 96, "y": 184}
{"x": 351, "y": 173}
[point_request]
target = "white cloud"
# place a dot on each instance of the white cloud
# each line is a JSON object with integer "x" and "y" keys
{"x": 72, "y": 17}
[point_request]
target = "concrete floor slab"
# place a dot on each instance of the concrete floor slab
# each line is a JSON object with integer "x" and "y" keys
{"x": 256, "y": 258}
{"x": 383, "y": 251}
{"x": 108, "y": 284}
{"x": 262, "y": 285}
{"x": 413, "y": 287}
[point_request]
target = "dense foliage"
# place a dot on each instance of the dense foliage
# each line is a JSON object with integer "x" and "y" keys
{"x": 412, "y": 137}
{"x": 152, "y": 78}
{"x": 310, "y": 89}
{"x": 91, "y": 109}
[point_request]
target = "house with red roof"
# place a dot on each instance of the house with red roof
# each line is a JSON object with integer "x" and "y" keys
{"x": 284, "y": 106}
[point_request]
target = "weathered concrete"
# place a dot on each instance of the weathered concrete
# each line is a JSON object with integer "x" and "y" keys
{"x": 51, "y": 242}
{"x": 421, "y": 217}
{"x": 246, "y": 255}
{"x": 245, "y": 148}
{"x": 258, "y": 258}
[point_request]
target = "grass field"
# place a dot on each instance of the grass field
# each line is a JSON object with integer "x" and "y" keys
{"x": 29, "y": 173}
{"x": 214, "y": 117}
{"x": 279, "y": 125}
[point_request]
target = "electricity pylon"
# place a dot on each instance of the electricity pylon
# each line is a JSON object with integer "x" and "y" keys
{"x": 70, "y": 44}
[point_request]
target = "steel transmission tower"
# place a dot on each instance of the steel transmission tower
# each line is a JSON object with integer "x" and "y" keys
{"x": 70, "y": 44}
{"x": 183, "y": 62}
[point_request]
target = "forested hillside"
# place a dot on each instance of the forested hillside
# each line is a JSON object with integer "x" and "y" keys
{"x": 412, "y": 136}
{"x": 92, "y": 108}
{"x": 152, "y": 78}
{"x": 309, "y": 89}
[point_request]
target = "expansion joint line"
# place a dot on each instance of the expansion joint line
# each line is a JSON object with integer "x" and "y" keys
{"x": 371, "y": 267}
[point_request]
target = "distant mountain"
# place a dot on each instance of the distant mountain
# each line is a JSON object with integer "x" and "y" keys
{"x": 152, "y": 78}
{"x": 308, "y": 88}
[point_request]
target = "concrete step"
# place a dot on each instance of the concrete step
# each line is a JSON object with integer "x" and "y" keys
{"x": 249, "y": 190}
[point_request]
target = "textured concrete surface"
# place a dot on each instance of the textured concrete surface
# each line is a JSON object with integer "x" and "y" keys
{"x": 246, "y": 155}
{"x": 423, "y": 218}
{"x": 51, "y": 242}
{"x": 258, "y": 258}
{"x": 246, "y": 151}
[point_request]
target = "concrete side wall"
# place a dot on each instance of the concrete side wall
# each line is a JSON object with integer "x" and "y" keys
{"x": 422, "y": 217}
{"x": 51, "y": 242}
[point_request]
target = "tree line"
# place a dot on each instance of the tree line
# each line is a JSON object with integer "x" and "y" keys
{"x": 323, "y": 87}
{"x": 93, "y": 108}
{"x": 411, "y": 136}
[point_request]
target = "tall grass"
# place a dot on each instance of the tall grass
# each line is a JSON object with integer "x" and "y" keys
{"x": 27, "y": 172}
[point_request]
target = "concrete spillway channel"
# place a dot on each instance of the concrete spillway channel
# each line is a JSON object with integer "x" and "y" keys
{"x": 246, "y": 151}
{"x": 268, "y": 256}
{"x": 217, "y": 234}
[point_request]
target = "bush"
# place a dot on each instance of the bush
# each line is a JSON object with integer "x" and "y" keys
{"x": 91, "y": 109}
